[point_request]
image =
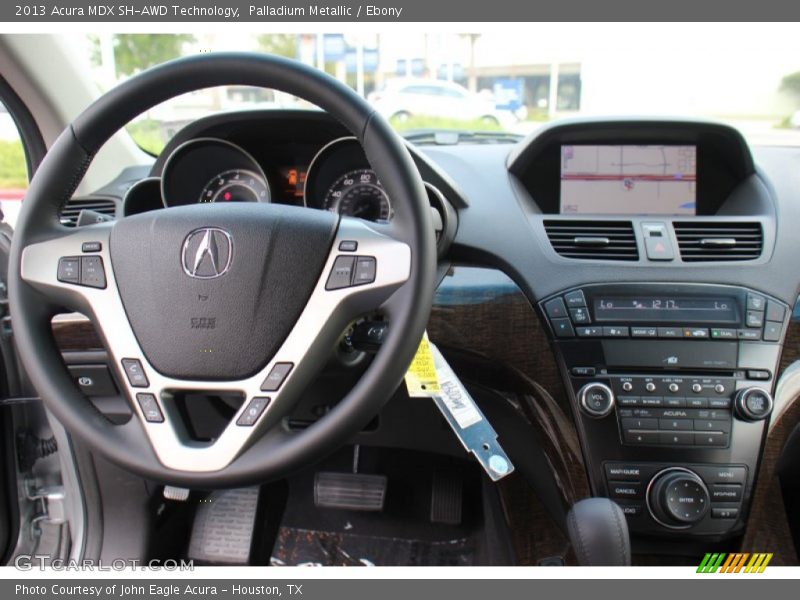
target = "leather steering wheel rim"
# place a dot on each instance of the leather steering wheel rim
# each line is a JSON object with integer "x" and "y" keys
{"x": 280, "y": 452}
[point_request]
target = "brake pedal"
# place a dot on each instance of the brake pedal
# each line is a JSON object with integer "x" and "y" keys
{"x": 446, "y": 498}
{"x": 350, "y": 491}
{"x": 223, "y": 527}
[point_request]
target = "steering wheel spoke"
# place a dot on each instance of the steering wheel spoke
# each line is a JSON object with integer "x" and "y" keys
{"x": 363, "y": 268}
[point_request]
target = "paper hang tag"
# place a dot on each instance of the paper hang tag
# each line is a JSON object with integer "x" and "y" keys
{"x": 421, "y": 378}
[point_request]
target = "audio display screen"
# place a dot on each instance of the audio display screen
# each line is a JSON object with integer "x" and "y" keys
{"x": 662, "y": 309}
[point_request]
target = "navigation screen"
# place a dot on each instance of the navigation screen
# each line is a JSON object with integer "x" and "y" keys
{"x": 628, "y": 180}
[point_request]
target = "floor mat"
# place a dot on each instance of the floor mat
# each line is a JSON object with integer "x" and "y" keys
{"x": 304, "y": 547}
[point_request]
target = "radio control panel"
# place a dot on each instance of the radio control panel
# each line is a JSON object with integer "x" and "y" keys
{"x": 671, "y": 383}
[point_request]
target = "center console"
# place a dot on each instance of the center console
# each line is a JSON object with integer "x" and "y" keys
{"x": 671, "y": 387}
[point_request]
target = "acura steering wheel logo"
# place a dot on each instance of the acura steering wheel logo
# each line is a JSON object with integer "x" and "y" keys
{"x": 207, "y": 253}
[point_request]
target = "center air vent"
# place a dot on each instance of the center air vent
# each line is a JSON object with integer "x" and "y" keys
{"x": 72, "y": 209}
{"x": 718, "y": 241}
{"x": 593, "y": 240}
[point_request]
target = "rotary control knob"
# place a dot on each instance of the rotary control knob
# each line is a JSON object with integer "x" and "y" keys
{"x": 596, "y": 400}
{"x": 677, "y": 498}
{"x": 753, "y": 404}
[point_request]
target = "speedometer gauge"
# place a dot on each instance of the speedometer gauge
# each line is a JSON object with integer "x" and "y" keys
{"x": 359, "y": 194}
{"x": 236, "y": 185}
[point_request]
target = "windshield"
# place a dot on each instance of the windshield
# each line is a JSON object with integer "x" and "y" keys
{"x": 502, "y": 85}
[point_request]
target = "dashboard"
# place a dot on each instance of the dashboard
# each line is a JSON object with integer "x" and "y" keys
{"x": 650, "y": 249}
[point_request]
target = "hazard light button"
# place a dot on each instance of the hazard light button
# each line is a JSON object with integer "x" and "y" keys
{"x": 657, "y": 242}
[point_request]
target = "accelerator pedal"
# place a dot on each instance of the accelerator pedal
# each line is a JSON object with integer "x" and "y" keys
{"x": 223, "y": 527}
{"x": 350, "y": 491}
{"x": 446, "y": 498}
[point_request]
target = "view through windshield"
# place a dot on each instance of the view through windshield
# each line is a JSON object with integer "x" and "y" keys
{"x": 492, "y": 82}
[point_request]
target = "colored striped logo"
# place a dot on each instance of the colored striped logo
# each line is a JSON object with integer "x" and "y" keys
{"x": 739, "y": 562}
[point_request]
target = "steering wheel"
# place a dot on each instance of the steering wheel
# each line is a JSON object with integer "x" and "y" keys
{"x": 245, "y": 299}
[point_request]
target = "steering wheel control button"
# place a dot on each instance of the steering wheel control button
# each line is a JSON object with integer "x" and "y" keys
{"x": 150, "y": 408}
{"x": 563, "y": 328}
{"x": 91, "y": 247}
{"x": 342, "y": 273}
{"x": 69, "y": 269}
{"x": 575, "y": 299}
{"x": 348, "y": 246}
{"x": 253, "y": 411}
{"x": 365, "y": 270}
{"x": 92, "y": 272}
{"x": 276, "y": 376}
{"x": 135, "y": 373}
{"x": 753, "y": 404}
{"x": 677, "y": 497}
{"x": 596, "y": 399}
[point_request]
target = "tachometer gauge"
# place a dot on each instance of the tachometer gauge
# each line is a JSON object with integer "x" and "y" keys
{"x": 359, "y": 194}
{"x": 236, "y": 185}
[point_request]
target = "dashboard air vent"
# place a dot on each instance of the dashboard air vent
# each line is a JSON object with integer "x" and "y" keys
{"x": 718, "y": 241}
{"x": 72, "y": 209}
{"x": 593, "y": 240}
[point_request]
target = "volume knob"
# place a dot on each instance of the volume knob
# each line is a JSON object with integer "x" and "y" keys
{"x": 596, "y": 399}
{"x": 753, "y": 404}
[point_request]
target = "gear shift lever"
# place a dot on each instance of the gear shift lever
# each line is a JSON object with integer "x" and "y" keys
{"x": 599, "y": 533}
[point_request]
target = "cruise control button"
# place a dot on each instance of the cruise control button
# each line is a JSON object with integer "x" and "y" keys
{"x": 342, "y": 273}
{"x": 135, "y": 373}
{"x": 348, "y": 246}
{"x": 92, "y": 272}
{"x": 150, "y": 408}
{"x": 253, "y": 411}
{"x": 277, "y": 374}
{"x": 69, "y": 269}
{"x": 365, "y": 270}
{"x": 575, "y": 299}
{"x": 91, "y": 247}
{"x": 723, "y": 492}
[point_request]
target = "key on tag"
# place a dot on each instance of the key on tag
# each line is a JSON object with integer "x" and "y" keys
{"x": 431, "y": 376}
